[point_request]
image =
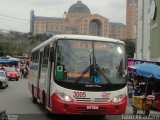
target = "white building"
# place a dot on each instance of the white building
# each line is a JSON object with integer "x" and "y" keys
{"x": 147, "y": 31}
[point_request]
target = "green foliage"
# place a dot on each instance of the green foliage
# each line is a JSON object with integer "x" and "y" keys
{"x": 19, "y": 44}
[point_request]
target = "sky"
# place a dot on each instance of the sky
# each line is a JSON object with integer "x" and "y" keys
{"x": 15, "y": 14}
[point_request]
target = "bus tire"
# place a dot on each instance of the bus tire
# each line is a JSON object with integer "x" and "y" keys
{"x": 46, "y": 111}
{"x": 34, "y": 100}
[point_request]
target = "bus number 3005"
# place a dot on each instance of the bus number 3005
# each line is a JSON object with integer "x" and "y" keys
{"x": 79, "y": 94}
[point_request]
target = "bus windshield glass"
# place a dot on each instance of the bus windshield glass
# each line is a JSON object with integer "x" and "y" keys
{"x": 90, "y": 62}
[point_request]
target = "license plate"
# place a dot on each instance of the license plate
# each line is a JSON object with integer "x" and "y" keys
{"x": 92, "y": 107}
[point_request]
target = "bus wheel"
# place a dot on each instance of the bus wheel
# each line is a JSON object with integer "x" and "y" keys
{"x": 46, "y": 111}
{"x": 34, "y": 100}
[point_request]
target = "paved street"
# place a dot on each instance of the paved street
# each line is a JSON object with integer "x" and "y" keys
{"x": 16, "y": 100}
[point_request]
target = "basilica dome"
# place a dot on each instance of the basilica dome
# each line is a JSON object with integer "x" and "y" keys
{"x": 79, "y": 7}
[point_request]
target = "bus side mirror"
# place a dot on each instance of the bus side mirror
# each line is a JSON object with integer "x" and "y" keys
{"x": 52, "y": 55}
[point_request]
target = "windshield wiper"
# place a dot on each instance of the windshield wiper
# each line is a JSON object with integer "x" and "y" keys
{"x": 86, "y": 70}
{"x": 98, "y": 68}
{"x": 83, "y": 73}
{"x": 94, "y": 70}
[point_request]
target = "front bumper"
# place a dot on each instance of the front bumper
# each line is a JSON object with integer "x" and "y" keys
{"x": 13, "y": 77}
{"x": 61, "y": 107}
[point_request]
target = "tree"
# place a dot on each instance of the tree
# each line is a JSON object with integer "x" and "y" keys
{"x": 20, "y": 44}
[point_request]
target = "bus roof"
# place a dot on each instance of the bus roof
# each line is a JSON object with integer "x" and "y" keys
{"x": 77, "y": 37}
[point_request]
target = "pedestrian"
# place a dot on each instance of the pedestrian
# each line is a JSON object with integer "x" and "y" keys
{"x": 25, "y": 71}
{"x": 22, "y": 71}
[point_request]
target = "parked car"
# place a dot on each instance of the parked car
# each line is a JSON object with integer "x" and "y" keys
{"x": 3, "y": 79}
{"x": 12, "y": 73}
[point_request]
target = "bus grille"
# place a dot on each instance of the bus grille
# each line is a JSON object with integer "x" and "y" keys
{"x": 106, "y": 100}
{"x": 83, "y": 99}
{"x": 83, "y": 110}
{"x": 103, "y": 100}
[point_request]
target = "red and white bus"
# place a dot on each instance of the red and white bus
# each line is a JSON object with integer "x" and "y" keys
{"x": 79, "y": 74}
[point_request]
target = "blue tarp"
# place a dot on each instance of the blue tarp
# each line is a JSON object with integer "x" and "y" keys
{"x": 7, "y": 61}
{"x": 148, "y": 70}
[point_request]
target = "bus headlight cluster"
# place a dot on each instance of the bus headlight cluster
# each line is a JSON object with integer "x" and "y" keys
{"x": 64, "y": 97}
{"x": 118, "y": 98}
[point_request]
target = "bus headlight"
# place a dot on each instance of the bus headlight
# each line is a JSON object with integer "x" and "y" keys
{"x": 64, "y": 97}
{"x": 118, "y": 98}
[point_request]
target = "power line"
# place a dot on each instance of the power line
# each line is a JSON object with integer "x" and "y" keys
{"x": 15, "y": 20}
{"x": 12, "y": 26}
{"x": 14, "y": 17}
{"x": 9, "y": 27}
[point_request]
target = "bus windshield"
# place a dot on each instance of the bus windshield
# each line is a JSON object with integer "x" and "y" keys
{"x": 90, "y": 62}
